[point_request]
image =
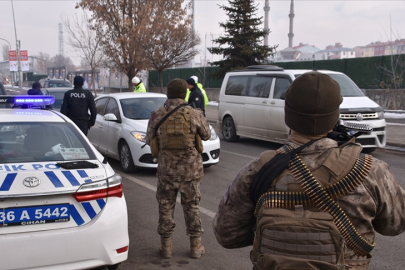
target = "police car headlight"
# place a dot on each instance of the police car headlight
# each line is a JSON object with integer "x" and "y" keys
{"x": 140, "y": 136}
{"x": 214, "y": 135}
{"x": 381, "y": 115}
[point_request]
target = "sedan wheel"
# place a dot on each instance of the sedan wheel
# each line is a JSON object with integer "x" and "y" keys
{"x": 127, "y": 164}
{"x": 229, "y": 130}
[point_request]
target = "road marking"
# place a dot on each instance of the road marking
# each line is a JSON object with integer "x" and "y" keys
{"x": 237, "y": 154}
{"x": 153, "y": 188}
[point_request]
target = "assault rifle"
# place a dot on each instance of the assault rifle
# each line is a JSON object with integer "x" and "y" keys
{"x": 345, "y": 131}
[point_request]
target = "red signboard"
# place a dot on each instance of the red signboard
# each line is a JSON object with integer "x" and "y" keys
{"x": 12, "y": 55}
{"x": 24, "y": 55}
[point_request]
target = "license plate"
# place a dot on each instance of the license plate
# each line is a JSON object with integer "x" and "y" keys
{"x": 34, "y": 215}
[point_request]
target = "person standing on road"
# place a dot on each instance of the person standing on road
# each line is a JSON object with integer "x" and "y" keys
{"x": 138, "y": 85}
{"x": 180, "y": 165}
{"x": 316, "y": 202}
{"x": 196, "y": 98}
{"x": 76, "y": 104}
{"x": 35, "y": 90}
{"x": 195, "y": 78}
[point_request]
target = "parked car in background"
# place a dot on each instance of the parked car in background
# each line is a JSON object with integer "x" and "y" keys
{"x": 251, "y": 104}
{"x": 120, "y": 130}
{"x": 56, "y": 88}
{"x": 61, "y": 204}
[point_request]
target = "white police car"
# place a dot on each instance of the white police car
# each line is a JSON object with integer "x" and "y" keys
{"x": 61, "y": 204}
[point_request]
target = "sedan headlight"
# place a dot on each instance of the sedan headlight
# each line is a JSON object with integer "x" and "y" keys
{"x": 214, "y": 135}
{"x": 140, "y": 136}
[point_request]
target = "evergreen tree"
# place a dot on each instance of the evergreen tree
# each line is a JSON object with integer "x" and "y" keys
{"x": 242, "y": 38}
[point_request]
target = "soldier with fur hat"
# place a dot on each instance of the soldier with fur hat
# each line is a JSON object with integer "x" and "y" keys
{"x": 282, "y": 201}
{"x": 76, "y": 104}
{"x": 180, "y": 166}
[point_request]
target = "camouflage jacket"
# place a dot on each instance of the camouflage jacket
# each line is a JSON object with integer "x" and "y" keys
{"x": 180, "y": 165}
{"x": 378, "y": 204}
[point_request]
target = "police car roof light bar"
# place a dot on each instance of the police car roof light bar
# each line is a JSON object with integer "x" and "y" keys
{"x": 28, "y": 101}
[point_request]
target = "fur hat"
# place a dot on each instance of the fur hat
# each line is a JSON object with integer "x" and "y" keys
{"x": 312, "y": 103}
{"x": 177, "y": 88}
{"x": 191, "y": 81}
{"x": 78, "y": 80}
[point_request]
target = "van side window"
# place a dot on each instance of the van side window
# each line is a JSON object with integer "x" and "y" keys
{"x": 281, "y": 86}
{"x": 259, "y": 87}
{"x": 236, "y": 85}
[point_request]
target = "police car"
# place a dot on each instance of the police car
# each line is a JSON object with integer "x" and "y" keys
{"x": 61, "y": 204}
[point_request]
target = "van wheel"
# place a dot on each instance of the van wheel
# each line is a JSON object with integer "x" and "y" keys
{"x": 229, "y": 130}
{"x": 368, "y": 150}
{"x": 127, "y": 164}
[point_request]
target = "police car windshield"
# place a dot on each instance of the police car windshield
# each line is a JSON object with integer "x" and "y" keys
{"x": 58, "y": 83}
{"x": 37, "y": 142}
{"x": 141, "y": 108}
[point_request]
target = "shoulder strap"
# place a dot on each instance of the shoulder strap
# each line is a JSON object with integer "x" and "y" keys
{"x": 168, "y": 114}
{"x": 321, "y": 199}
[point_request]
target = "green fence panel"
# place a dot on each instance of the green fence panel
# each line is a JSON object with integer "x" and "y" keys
{"x": 366, "y": 72}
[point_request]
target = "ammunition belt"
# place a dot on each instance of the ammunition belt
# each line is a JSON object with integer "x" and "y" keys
{"x": 323, "y": 197}
{"x": 319, "y": 197}
{"x": 288, "y": 200}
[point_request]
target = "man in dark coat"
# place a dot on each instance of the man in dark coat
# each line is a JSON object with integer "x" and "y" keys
{"x": 36, "y": 89}
{"x": 196, "y": 98}
{"x": 76, "y": 104}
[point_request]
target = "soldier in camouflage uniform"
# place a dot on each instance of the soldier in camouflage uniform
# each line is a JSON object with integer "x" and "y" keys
{"x": 375, "y": 204}
{"x": 179, "y": 170}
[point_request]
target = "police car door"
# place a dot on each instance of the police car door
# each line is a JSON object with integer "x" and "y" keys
{"x": 277, "y": 129}
{"x": 110, "y": 134}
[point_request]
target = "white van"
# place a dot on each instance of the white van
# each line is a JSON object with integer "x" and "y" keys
{"x": 251, "y": 105}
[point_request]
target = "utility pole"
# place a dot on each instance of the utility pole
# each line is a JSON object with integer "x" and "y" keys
{"x": 17, "y": 45}
{"x": 266, "y": 21}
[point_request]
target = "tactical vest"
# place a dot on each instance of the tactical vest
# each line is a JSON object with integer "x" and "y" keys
{"x": 295, "y": 228}
{"x": 174, "y": 133}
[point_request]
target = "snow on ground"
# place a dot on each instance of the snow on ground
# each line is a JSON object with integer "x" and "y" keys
{"x": 396, "y": 114}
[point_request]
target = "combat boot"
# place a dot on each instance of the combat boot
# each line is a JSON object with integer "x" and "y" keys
{"x": 166, "y": 247}
{"x": 196, "y": 248}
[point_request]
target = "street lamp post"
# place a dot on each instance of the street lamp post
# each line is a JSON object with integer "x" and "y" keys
{"x": 17, "y": 45}
{"x": 9, "y": 48}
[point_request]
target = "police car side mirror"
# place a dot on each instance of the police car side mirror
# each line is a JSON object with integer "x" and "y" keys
{"x": 110, "y": 117}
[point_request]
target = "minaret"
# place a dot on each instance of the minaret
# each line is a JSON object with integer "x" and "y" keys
{"x": 291, "y": 34}
{"x": 266, "y": 21}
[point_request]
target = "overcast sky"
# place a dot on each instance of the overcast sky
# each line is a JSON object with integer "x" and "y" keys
{"x": 319, "y": 23}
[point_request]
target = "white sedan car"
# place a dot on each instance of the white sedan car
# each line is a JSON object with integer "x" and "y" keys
{"x": 61, "y": 204}
{"x": 120, "y": 130}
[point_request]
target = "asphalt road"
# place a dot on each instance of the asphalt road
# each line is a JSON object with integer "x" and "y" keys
{"x": 139, "y": 189}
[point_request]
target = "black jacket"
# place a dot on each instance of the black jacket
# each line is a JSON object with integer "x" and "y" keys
{"x": 35, "y": 91}
{"x": 76, "y": 104}
{"x": 197, "y": 98}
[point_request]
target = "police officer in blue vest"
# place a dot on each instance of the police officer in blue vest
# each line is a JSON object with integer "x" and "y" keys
{"x": 76, "y": 104}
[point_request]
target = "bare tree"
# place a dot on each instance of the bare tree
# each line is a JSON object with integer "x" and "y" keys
{"x": 62, "y": 61}
{"x": 84, "y": 38}
{"x": 43, "y": 61}
{"x": 120, "y": 24}
{"x": 6, "y": 48}
{"x": 127, "y": 28}
{"x": 395, "y": 68}
{"x": 171, "y": 41}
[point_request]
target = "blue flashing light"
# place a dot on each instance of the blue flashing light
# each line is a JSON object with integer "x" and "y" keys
{"x": 28, "y": 101}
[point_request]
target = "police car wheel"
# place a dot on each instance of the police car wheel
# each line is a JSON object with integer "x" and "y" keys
{"x": 127, "y": 164}
{"x": 229, "y": 130}
{"x": 113, "y": 267}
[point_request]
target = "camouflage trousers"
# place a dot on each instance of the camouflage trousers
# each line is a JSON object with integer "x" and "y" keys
{"x": 166, "y": 195}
